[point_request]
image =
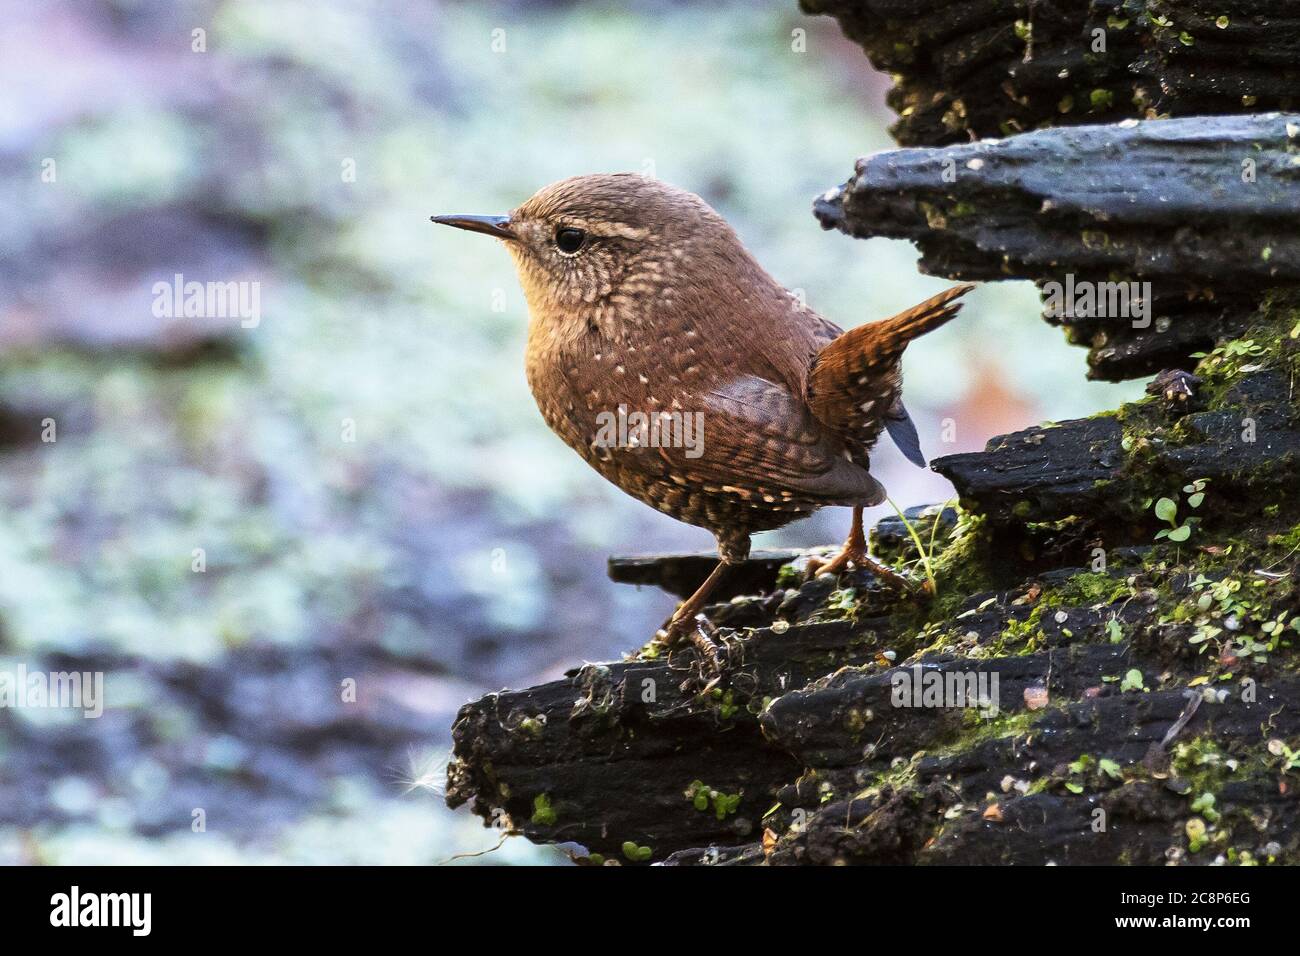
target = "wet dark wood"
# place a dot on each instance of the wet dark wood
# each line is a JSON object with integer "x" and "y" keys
{"x": 972, "y": 69}
{"x": 1161, "y": 202}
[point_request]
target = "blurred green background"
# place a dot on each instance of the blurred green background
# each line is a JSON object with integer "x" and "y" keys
{"x": 374, "y": 493}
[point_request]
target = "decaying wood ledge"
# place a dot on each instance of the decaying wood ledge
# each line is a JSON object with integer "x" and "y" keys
{"x": 973, "y": 69}
{"x": 1153, "y": 682}
{"x": 1207, "y": 210}
{"x": 1130, "y": 579}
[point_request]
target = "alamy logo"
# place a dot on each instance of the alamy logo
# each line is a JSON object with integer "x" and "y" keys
{"x": 1099, "y": 300}
{"x": 636, "y": 429}
{"x": 71, "y": 690}
{"x": 918, "y": 686}
{"x": 208, "y": 300}
{"x": 103, "y": 909}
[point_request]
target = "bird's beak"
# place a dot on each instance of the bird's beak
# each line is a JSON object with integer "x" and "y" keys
{"x": 498, "y": 226}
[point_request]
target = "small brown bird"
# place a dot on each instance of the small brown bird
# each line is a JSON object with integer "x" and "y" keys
{"x": 664, "y": 354}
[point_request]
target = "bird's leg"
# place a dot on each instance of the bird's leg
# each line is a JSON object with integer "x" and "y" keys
{"x": 733, "y": 548}
{"x": 855, "y": 552}
{"x": 683, "y": 620}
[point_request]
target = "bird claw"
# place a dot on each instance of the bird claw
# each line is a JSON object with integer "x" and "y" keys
{"x": 700, "y": 634}
{"x": 813, "y": 568}
{"x": 820, "y": 567}
{"x": 862, "y": 561}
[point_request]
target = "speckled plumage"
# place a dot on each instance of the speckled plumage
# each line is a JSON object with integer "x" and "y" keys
{"x": 663, "y": 310}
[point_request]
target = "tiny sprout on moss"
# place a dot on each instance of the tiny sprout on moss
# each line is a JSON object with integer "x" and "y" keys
{"x": 702, "y": 796}
{"x": 727, "y": 706}
{"x": 1132, "y": 681}
{"x": 1290, "y": 758}
{"x": 637, "y": 854}
{"x": 790, "y": 576}
{"x": 1101, "y": 99}
{"x": 543, "y": 813}
{"x": 1166, "y": 509}
{"x": 1204, "y": 805}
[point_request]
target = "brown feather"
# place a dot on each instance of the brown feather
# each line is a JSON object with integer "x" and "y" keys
{"x": 856, "y": 380}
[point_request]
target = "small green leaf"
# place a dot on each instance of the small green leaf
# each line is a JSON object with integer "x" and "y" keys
{"x": 1181, "y": 533}
{"x": 1132, "y": 681}
{"x": 543, "y": 813}
{"x": 1195, "y": 500}
{"x": 1101, "y": 99}
{"x": 1166, "y": 509}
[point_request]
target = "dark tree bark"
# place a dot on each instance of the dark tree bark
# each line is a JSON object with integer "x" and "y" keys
{"x": 1205, "y": 210}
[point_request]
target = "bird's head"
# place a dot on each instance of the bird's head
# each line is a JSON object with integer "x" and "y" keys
{"x": 585, "y": 243}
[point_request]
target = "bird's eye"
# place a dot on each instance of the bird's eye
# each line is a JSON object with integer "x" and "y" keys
{"x": 569, "y": 240}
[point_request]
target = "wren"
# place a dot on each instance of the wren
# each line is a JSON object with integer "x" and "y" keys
{"x": 646, "y": 307}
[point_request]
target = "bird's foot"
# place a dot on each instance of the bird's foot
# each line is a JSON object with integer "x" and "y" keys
{"x": 700, "y": 633}
{"x": 860, "y": 559}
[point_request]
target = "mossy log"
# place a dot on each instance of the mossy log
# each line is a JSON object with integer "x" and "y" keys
{"x": 1147, "y": 697}
{"x": 972, "y": 69}
{"x": 1129, "y": 578}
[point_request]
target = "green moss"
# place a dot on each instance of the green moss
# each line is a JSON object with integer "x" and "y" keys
{"x": 977, "y": 730}
{"x": 1286, "y": 541}
{"x": 1101, "y": 99}
{"x": 543, "y": 813}
{"x": 725, "y": 701}
{"x": 1019, "y": 635}
{"x": 1200, "y": 766}
{"x": 702, "y": 797}
{"x": 1087, "y": 589}
{"x": 900, "y": 775}
{"x": 637, "y": 854}
{"x": 790, "y": 576}
{"x": 963, "y": 567}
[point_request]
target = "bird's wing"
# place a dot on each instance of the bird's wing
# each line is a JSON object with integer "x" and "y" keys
{"x": 760, "y": 441}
